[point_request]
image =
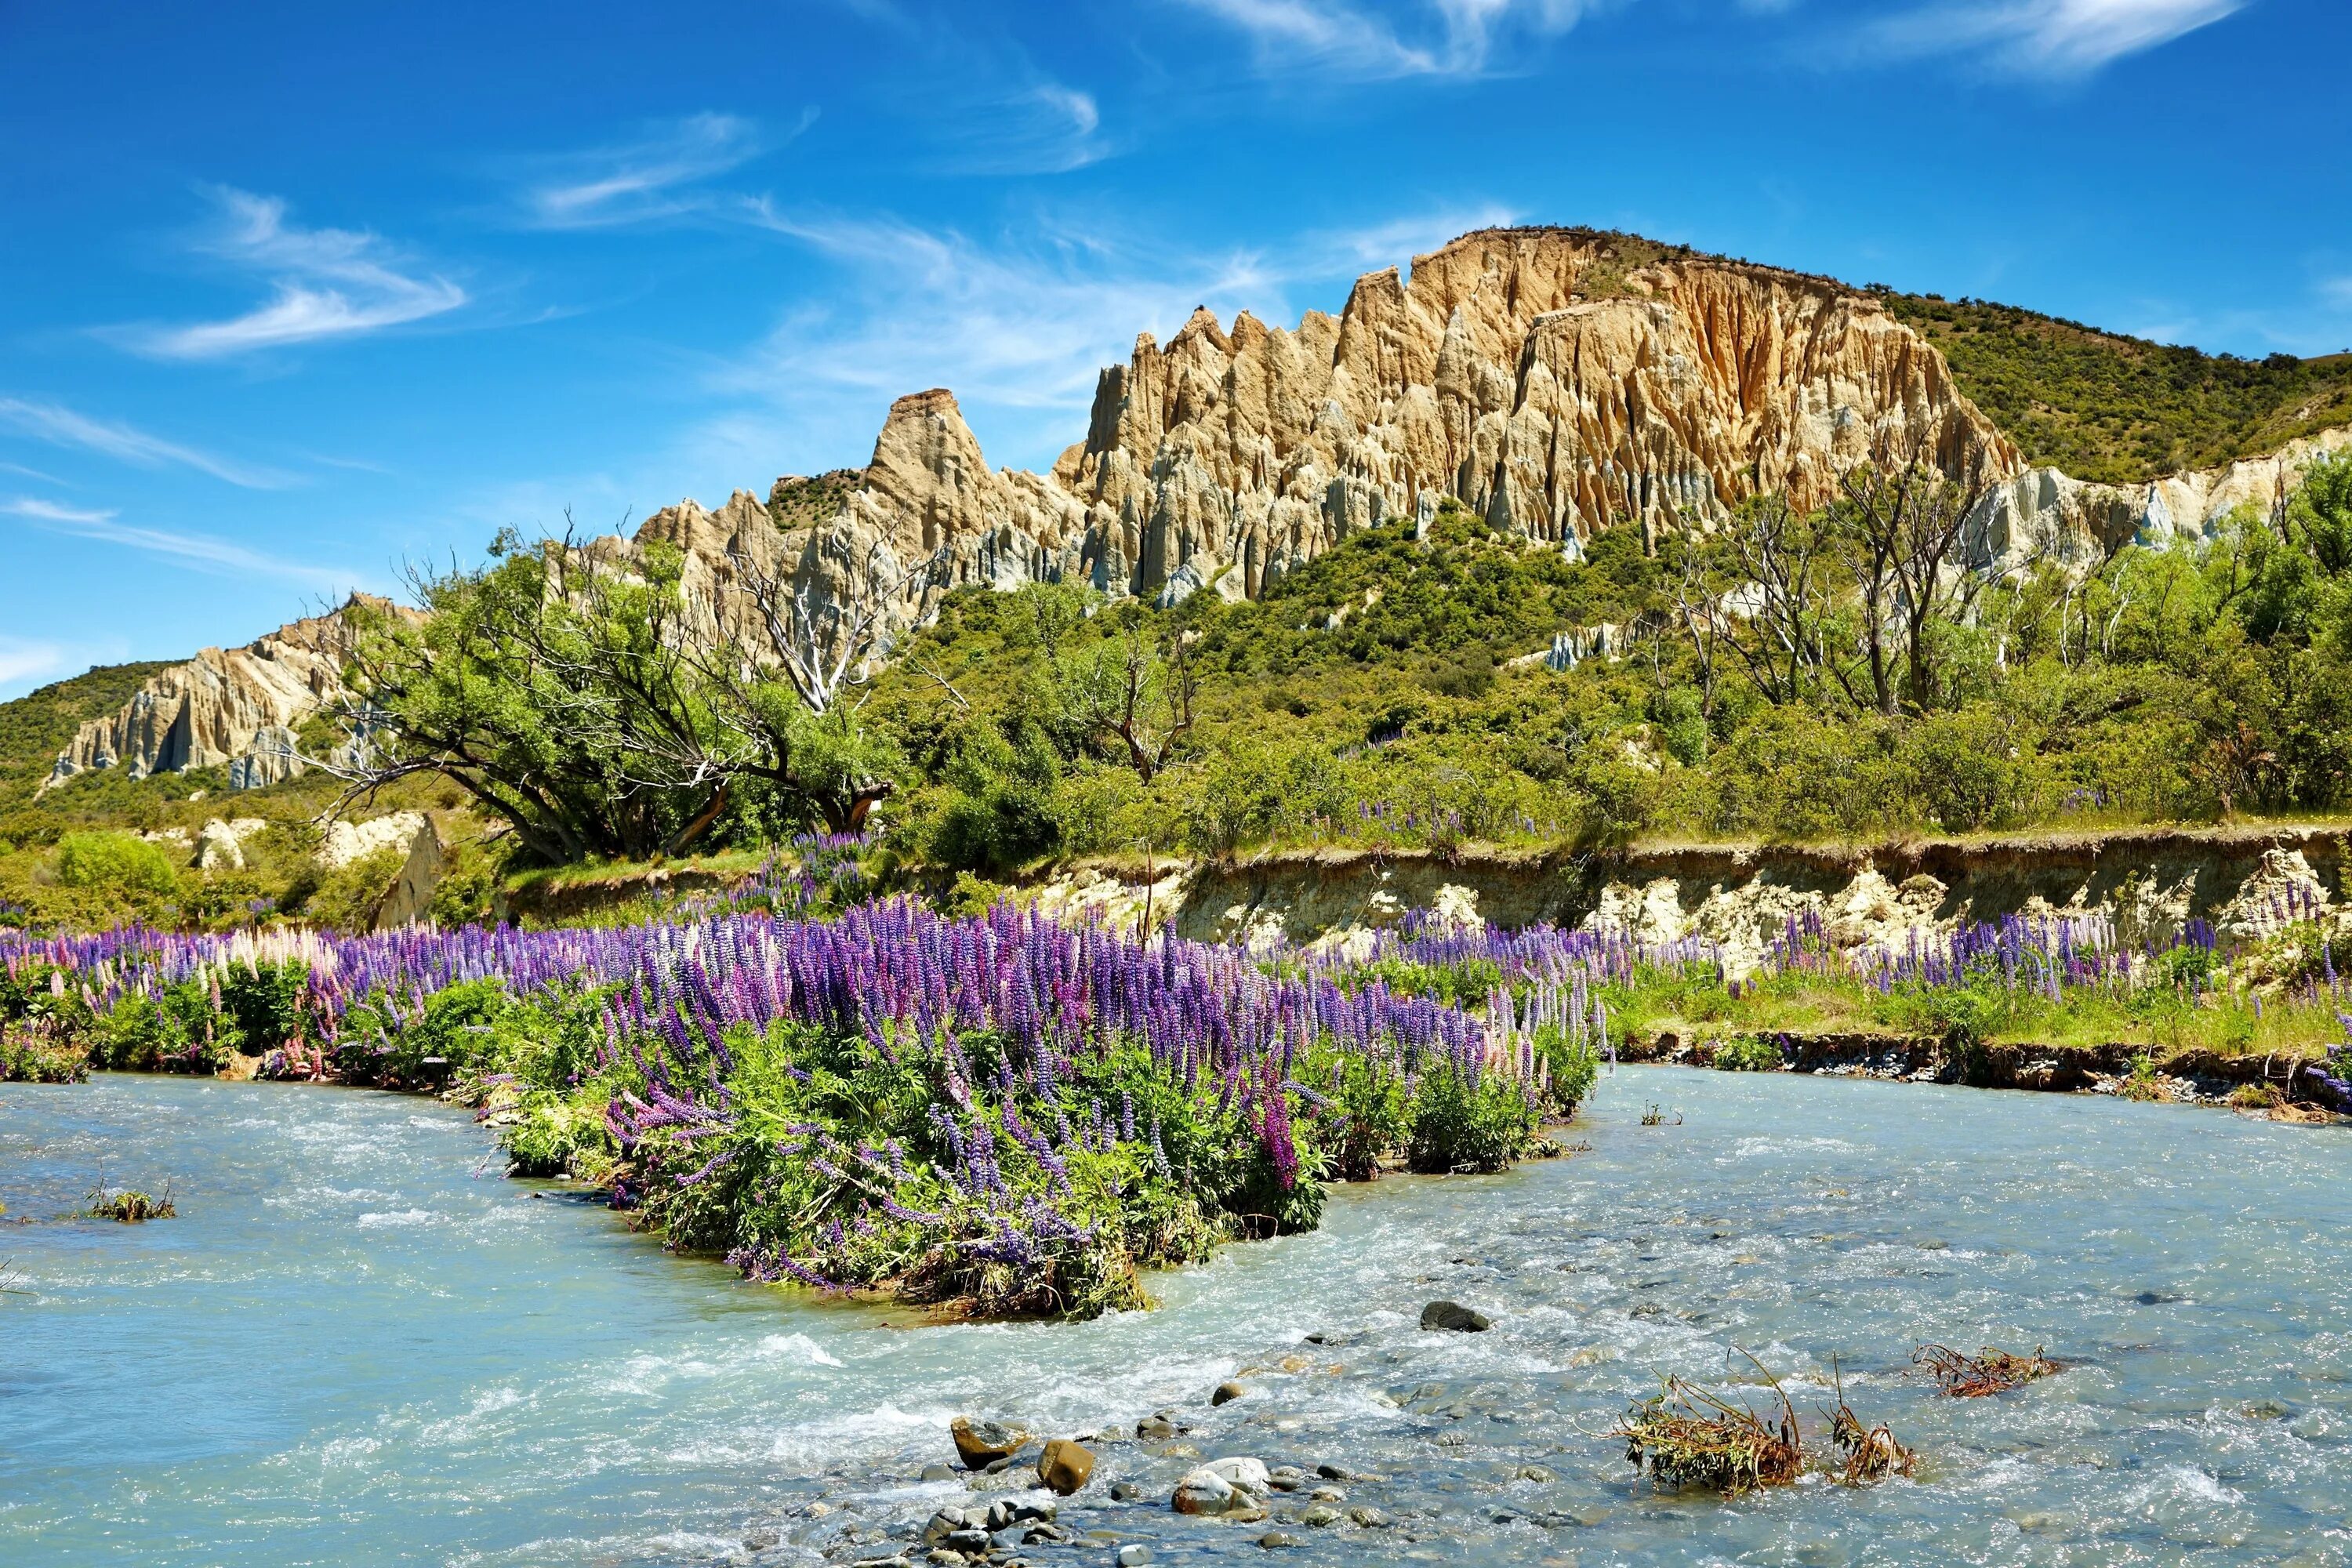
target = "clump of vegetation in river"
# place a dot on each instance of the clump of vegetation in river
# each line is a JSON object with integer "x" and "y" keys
{"x": 128, "y": 1205}
{"x": 1684, "y": 1435}
{"x": 1988, "y": 1372}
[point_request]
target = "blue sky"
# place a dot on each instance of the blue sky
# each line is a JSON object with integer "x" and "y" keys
{"x": 292, "y": 294}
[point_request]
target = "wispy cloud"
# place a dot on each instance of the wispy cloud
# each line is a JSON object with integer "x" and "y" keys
{"x": 201, "y": 552}
{"x": 21, "y": 662}
{"x": 1044, "y": 128}
{"x": 328, "y": 283}
{"x": 2042, "y": 37}
{"x": 662, "y": 175}
{"x": 62, "y": 426}
{"x": 1359, "y": 40}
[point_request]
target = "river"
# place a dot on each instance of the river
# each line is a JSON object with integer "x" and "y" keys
{"x": 359, "y": 1344}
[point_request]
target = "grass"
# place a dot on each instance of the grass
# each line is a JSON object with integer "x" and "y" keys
{"x": 2101, "y": 405}
{"x": 1697, "y": 1006}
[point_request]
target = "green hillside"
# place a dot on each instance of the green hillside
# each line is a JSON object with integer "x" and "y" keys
{"x": 34, "y": 728}
{"x": 2104, "y": 406}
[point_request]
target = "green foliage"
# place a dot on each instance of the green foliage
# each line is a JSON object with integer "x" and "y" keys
{"x": 1748, "y": 1053}
{"x": 1464, "y": 984}
{"x": 999, "y": 814}
{"x": 970, "y": 895}
{"x": 179, "y": 1029}
{"x": 348, "y": 896}
{"x": 120, "y": 863}
{"x": 2119, "y": 409}
{"x": 1462, "y": 1124}
{"x": 1569, "y": 1069}
{"x": 1373, "y": 1103}
{"x": 36, "y": 727}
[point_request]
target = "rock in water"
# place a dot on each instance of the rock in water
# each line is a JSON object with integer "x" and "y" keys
{"x": 1233, "y": 1486}
{"x": 1203, "y": 1490}
{"x": 1454, "y": 1318}
{"x": 1227, "y": 1392}
{"x": 1065, "y": 1464}
{"x": 982, "y": 1443}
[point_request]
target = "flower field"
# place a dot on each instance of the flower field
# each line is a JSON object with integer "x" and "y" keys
{"x": 999, "y": 1112}
{"x": 1007, "y": 1115}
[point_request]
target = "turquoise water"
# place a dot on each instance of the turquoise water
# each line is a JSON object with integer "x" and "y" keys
{"x": 359, "y": 1344}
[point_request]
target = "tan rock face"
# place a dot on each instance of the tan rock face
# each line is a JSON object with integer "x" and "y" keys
{"x": 1541, "y": 377}
{"x": 1559, "y": 381}
{"x": 225, "y": 707}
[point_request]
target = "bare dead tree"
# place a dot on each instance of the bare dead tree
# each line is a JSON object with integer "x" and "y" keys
{"x": 1774, "y": 618}
{"x": 1136, "y": 690}
{"x": 1907, "y": 557}
{"x": 825, "y": 641}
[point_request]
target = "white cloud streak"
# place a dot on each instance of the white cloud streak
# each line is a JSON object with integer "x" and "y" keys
{"x": 330, "y": 283}
{"x": 656, "y": 178}
{"x": 21, "y": 662}
{"x": 62, "y": 426}
{"x": 201, "y": 552}
{"x": 1350, "y": 39}
{"x": 2042, "y": 37}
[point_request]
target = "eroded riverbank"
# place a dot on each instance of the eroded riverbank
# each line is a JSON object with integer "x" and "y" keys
{"x": 356, "y": 1345}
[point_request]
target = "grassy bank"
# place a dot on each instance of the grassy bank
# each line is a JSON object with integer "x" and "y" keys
{"x": 2064, "y": 984}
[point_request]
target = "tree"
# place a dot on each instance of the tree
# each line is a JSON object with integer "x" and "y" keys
{"x": 552, "y": 685}
{"x": 1763, "y": 589}
{"x": 824, "y": 631}
{"x": 1132, "y": 690}
{"x": 1904, "y": 552}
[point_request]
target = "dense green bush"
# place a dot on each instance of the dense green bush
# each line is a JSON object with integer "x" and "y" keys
{"x": 1462, "y": 1124}
{"x": 121, "y": 863}
{"x": 1748, "y": 1053}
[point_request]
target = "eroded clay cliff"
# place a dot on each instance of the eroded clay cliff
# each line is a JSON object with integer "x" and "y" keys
{"x": 233, "y": 708}
{"x": 1557, "y": 381}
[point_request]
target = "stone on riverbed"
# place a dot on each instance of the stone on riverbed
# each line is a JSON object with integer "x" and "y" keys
{"x": 1223, "y": 1486}
{"x": 982, "y": 1443}
{"x": 1454, "y": 1318}
{"x": 1227, "y": 1392}
{"x": 1065, "y": 1464}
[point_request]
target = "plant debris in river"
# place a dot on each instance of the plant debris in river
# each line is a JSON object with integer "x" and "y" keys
{"x": 128, "y": 1205}
{"x": 1684, "y": 1436}
{"x": 1988, "y": 1371}
{"x": 1871, "y": 1453}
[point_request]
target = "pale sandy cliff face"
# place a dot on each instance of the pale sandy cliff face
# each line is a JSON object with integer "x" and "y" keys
{"x": 1557, "y": 382}
{"x": 226, "y": 706}
{"x": 1547, "y": 378}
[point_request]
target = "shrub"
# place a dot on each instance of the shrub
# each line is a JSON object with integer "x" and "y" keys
{"x": 348, "y": 895}
{"x": 118, "y": 863}
{"x": 1464, "y": 1125}
{"x": 1570, "y": 1069}
{"x": 1970, "y": 766}
{"x": 1749, "y": 1053}
{"x": 1371, "y": 1105}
